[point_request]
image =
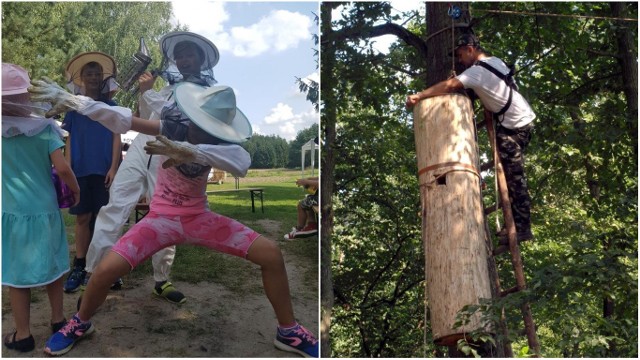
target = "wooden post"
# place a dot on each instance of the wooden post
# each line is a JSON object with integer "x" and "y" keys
{"x": 453, "y": 231}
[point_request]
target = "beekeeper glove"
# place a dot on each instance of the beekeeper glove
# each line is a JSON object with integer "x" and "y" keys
{"x": 114, "y": 118}
{"x": 178, "y": 153}
{"x": 46, "y": 90}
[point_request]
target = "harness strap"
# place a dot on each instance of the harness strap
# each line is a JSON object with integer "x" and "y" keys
{"x": 503, "y": 77}
{"x": 455, "y": 164}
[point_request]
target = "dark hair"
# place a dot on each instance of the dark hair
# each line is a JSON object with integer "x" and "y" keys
{"x": 91, "y": 65}
{"x": 186, "y": 44}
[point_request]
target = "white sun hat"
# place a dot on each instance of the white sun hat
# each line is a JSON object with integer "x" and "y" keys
{"x": 213, "y": 109}
{"x": 74, "y": 67}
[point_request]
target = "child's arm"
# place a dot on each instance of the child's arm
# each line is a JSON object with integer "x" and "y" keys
{"x": 233, "y": 159}
{"x": 67, "y": 149}
{"x": 116, "y": 153}
{"x": 230, "y": 158}
{"x": 65, "y": 173}
{"x": 149, "y": 127}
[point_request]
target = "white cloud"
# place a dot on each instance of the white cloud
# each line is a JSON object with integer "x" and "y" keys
{"x": 313, "y": 76}
{"x": 294, "y": 90}
{"x": 201, "y": 16}
{"x": 278, "y": 31}
{"x": 282, "y": 112}
{"x": 287, "y": 131}
{"x": 285, "y": 123}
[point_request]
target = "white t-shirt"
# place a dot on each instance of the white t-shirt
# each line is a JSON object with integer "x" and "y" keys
{"x": 494, "y": 93}
{"x": 152, "y": 102}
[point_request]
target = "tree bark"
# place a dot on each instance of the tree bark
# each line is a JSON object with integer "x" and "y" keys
{"x": 629, "y": 66}
{"x": 440, "y": 40}
{"x": 328, "y": 125}
{"x": 453, "y": 229}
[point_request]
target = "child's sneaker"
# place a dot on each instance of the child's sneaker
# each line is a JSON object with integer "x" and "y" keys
{"x": 309, "y": 230}
{"x": 298, "y": 340}
{"x": 62, "y": 341}
{"x": 168, "y": 292}
{"x": 75, "y": 280}
{"x": 117, "y": 285}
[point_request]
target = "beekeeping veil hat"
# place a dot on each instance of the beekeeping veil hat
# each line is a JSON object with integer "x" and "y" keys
{"x": 206, "y": 49}
{"x": 74, "y": 68}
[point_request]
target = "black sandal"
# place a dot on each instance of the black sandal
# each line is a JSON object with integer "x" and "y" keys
{"x": 24, "y": 345}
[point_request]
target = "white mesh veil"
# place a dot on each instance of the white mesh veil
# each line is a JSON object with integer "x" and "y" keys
{"x": 210, "y": 53}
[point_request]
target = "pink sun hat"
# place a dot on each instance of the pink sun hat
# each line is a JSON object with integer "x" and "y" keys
{"x": 15, "y": 79}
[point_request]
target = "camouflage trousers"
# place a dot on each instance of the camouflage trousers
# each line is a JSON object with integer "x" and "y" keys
{"x": 511, "y": 145}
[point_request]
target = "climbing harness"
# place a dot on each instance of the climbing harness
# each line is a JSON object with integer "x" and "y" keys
{"x": 507, "y": 78}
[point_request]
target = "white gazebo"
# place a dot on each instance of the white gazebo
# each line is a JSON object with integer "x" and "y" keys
{"x": 312, "y": 147}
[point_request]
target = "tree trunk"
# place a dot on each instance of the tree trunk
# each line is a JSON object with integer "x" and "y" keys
{"x": 453, "y": 229}
{"x": 327, "y": 180}
{"x": 439, "y": 62}
{"x": 441, "y": 34}
{"x": 629, "y": 66}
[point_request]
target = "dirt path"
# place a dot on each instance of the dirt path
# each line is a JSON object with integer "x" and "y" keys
{"x": 214, "y": 322}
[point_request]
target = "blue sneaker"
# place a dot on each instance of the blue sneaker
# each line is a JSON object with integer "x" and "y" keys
{"x": 75, "y": 280}
{"x": 62, "y": 341}
{"x": 298, "y": 340}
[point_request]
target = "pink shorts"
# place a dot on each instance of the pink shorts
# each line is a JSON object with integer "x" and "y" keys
{"x": 155, "y": 232}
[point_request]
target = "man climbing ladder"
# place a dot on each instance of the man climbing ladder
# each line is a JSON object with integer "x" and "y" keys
{"x": 514, "y": 115}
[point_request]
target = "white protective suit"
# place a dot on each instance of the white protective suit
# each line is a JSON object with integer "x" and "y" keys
{"x": 132, "y": 180}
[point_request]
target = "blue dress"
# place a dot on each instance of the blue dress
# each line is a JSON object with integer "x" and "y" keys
{"x": 34, "y": 241}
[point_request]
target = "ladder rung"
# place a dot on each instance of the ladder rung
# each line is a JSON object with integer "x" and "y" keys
{"x": 490, "y": 209}
{"x": 500, "y": 250}
{"x": 514, "y": 289}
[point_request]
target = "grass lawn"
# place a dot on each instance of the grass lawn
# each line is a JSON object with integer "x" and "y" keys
{"x": 195, "y": 264}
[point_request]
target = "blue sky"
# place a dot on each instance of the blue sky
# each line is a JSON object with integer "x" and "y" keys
{"x": 263, "y": 47}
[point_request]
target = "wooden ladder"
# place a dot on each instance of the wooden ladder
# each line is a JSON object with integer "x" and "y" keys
{"x": 513, "y": 248}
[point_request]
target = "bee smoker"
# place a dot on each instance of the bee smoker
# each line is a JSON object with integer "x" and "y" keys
{"x": 128, "y": 77}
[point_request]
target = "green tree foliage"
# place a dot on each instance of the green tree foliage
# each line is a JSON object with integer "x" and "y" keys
{"x": 43, "y": 36}
{"x": 308, "y": 86}
{"x": 295, "y": 156}
{"x": 581, "y": 166}
{"x": 267, "y": 152}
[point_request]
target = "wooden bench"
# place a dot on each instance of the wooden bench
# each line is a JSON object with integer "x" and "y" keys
{"x": 255, "y": 193}
{"x": 142, "y": 209}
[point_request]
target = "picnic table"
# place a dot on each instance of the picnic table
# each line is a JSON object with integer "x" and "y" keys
{"x": 256, "y": 193}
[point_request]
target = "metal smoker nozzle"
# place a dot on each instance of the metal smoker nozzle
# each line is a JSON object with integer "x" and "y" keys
{"x": 138, "y": 64}
{"x": 143, "y": 52}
